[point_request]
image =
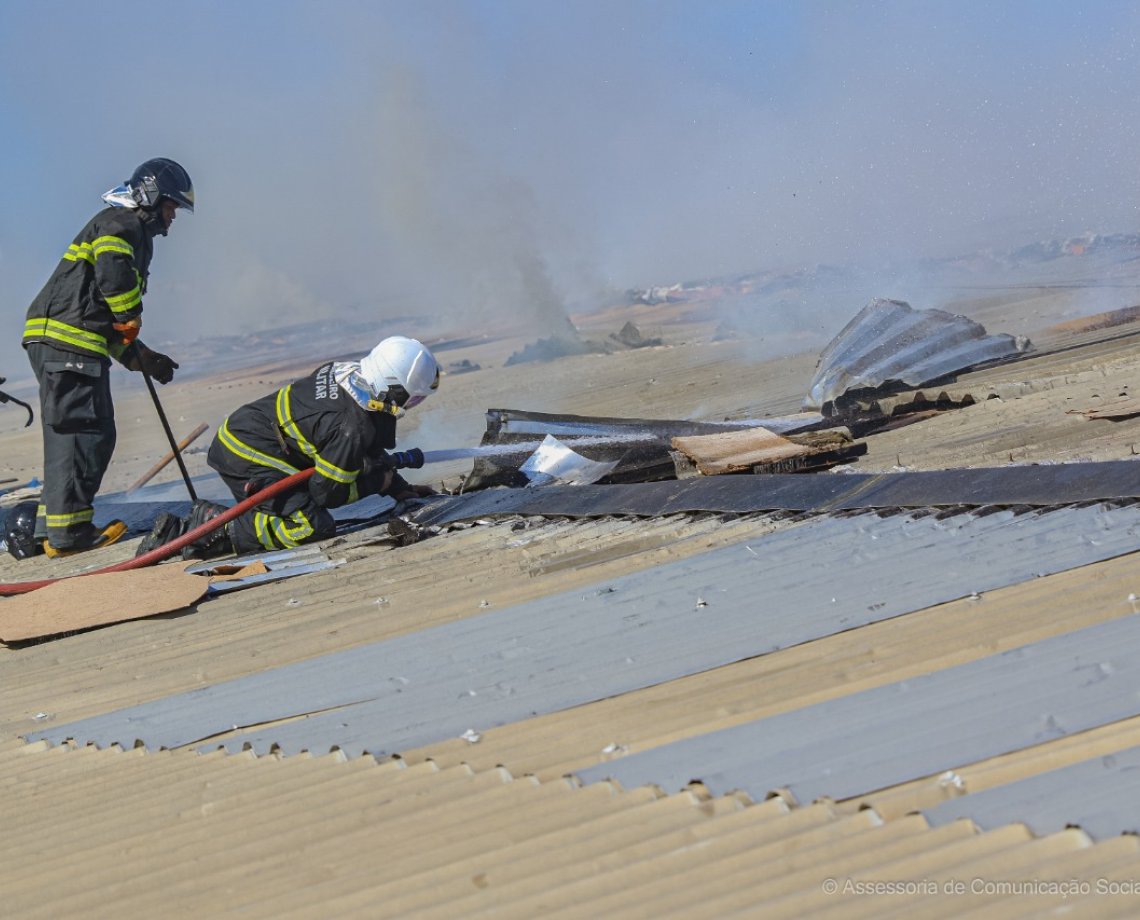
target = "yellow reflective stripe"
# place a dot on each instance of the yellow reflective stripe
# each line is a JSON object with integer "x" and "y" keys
{"x": 235, "y": 446}
{"x": 353, "y": 494}
{"x": 285, "y": 420}
{"x": 335, "y": 473}
{"x": 64, "y": 520}
{"x": 274, "y": 532}
{"x": 81, "y": 252}
{"x": 289, "y": 427}
{"x": 120, "y": 303}
{"x": 295, "y": 535}
{"x": 44, "y": 328}
{"x": 111, "y": 244}
{"x": 260, "y": 526}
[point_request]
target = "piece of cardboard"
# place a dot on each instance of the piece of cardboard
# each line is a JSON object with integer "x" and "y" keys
{"x": 86, "y": 601}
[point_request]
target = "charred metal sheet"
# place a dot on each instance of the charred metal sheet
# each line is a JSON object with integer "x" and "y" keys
{"x": 879, "y": 738}
{"x": 1101, "y": 796}
{"x": 780, "y": 589}
{"x": 889, "y": 343}
{"x": 1045, "y": 485}
{"x": 638, "y": 448}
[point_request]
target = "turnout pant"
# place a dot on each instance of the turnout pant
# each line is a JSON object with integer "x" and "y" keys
{"x": 78, "y": 420}
{"x": 282, "y": 522}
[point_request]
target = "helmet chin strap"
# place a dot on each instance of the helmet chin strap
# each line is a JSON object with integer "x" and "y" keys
{"x": 385, "y": 405}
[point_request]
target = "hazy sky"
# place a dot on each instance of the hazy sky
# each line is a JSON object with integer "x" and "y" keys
{"x": 510, "y": 159}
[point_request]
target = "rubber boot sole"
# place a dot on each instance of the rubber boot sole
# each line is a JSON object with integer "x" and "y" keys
{"x": 110, "y": 534}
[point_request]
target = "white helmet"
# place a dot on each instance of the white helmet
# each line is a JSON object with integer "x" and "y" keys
{"x": 400, "y": 371}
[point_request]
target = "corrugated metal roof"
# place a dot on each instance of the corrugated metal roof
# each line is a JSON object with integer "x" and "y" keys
{"x": 1101, "y": 796}
{"x": 139, "y": 833}
{"x": 630, "y": 632}
{"x": 220, "y": 836}
{"x": 891, "y": 735}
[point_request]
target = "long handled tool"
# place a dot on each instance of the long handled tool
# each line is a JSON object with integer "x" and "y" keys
{"x": 4, "y": 398}
{"x": 169, "y": 434}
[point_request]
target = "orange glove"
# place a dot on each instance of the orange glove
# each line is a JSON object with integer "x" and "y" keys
{"x": 129, "y": 330}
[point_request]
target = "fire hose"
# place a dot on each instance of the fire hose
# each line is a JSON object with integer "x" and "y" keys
{"x": 169, "y": 549}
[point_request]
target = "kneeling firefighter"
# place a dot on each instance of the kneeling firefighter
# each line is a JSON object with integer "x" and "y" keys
{"x": 340, "y": 420}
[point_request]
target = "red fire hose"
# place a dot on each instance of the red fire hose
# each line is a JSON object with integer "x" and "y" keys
{"x": 169, "y": 549}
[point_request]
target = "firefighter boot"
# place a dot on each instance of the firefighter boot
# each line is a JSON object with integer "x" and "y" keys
{"x": 167, "y": 528}
{"x": 90, "y": 537}
{"x": 212, "y": 544}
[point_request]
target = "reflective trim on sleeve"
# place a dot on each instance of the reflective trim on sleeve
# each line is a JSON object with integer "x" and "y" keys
{"x": 121, "y": 303}
{"x": 105, "y": 244}
{"x": 79, "y": 253}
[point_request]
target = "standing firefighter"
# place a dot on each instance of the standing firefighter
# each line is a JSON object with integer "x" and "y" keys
{"x": 340, "y": 420}
{"x": 89, "y": 312}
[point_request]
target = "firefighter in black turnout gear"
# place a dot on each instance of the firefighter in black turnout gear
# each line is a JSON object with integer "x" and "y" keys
{"x": 340, "y": 420}
{"x": 88, "y": 313}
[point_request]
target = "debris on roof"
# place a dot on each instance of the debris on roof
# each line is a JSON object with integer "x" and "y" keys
{"x": 554, "y": 462}
{"x": 630, "y": 336}
{"x": 758, "y": 450}
{"x": 551, "y": 348}
{"x": 640, "y": 449}
{"x": 889, "y": 346}
{"x": 73, "y": 604}
{"x": 1124, "y": 406}
{"x": 262, "y": 568}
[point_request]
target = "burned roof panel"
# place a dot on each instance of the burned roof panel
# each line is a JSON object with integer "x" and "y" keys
{"x": 1039, "y": 485}
{"x": 889, "y": 342}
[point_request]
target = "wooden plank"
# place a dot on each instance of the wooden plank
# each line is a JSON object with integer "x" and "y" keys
{"x": 737, "y": 451}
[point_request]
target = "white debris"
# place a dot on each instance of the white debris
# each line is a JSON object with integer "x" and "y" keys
{"x": 701, "y": 602}
{"x": 614, "y": 748}
{"x": 484, "y": 603}
{"x": 951, "y": 780}
{"x": 471, "y": 736}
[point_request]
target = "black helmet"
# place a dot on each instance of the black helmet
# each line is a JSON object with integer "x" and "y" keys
{"x": 161, "y": 178}
{"x": 20, "y": 529}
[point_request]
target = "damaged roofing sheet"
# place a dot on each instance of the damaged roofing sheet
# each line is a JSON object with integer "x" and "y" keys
{"x": 889, "y": 342}
{"x": 639, "y": 630}
{"x": 1101, "y": 796}
{"x": 1043, "y": 485}
{"x": 889, "y": 735}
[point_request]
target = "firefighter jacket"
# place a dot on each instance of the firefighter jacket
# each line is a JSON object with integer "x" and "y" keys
{"x": 311, "y": 422}
{"x": 99, "y": 281}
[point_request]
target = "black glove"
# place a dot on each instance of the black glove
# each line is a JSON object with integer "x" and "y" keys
{"x": 137, "y": 357}
{"x": 407, "y": 459}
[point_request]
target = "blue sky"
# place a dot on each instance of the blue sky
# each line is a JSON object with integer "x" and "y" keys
{"x": 481, "y": 160}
